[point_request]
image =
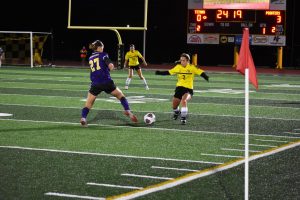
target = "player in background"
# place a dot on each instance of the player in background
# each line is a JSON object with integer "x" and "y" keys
{"x": 101, "y": 80}
{"x": 2, "y": 56}
{"x": 132, "y": 59}
{"x": 83, "y": 54}
{"x": 184, "y": 88}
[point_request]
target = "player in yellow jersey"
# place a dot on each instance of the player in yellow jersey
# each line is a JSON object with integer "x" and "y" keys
{"x": 184, "y": 88}
{"x": 132, "y": 59}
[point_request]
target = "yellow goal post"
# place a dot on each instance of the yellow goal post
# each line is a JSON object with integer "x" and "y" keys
{"x": 120, "y": 54}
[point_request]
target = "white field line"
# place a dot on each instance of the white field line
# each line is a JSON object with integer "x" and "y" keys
{"x": 199, "y": 174}
{"x": 227, "y": 97}
{"x": 108, "y": 155}
{"x": 220, "y": 155}
{"x": 172, "y": 168}
{"x": 280, "y": 141}
{"x": 73, "y": 196}
{"x": 259, "y": 145}
{"x": 70, "y": 107}
{"x": 161, "y": 129}
{"x": 292, "y": 133}
{"x": 242, "y": 150}
{"x": 115, "y": 186}
{"x": 145, "y": 176}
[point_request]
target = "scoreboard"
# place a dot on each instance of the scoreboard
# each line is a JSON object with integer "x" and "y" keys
{"x": 225, "y": 26}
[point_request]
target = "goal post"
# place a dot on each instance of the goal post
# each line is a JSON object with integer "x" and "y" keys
{"x": 115, "y": 28}
{"x": 24, "y": 48}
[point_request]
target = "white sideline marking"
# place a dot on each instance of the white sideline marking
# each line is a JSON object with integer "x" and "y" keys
{"x": 219, "y": 155}
{"x": 272, "y": 118}
{"x": 172, "y": 168}
{"x": 227, "y": 149}
{"x": 108, "y": 155}
{"x": 292, "y": 133}
{"x": 283, "y": 141}
{"x": 115, "y": 186}
{"x": 200, "y": 174}
{"x": 73, "y": 196}
{"x": 5, "y": 114}
{"x": 162, "y": 129}
{"x": 145, "y": 176}
{"x": 259, "y": 145}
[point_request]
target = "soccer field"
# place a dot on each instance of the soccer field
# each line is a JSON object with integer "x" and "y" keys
{"x": 46, "y": 154}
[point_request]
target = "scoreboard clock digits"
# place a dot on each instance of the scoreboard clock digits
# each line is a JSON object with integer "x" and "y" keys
{"x": 232, "y": 21}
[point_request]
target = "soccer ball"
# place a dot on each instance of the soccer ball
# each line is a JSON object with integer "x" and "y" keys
{"x": 149, "y": 118}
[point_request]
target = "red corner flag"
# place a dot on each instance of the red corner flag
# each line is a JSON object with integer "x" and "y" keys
{"x": 246, "y": 60}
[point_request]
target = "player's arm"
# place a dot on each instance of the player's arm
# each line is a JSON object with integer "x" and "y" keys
{"x": 108, "y": 62}
{"x": 125, "y": 63}
{"x": 142, "y": 58}
{"x": 144, "y": 61}
{"x": 204, "y": 75}
{"x": 162, "y": 73}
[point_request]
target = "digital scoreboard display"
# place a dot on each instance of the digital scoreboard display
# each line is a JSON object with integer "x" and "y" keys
{"x": 223, "y": 21}
{"x": 228, "y": 21}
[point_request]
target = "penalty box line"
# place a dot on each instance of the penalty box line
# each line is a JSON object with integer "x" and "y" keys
{"x": 199, "y": 174}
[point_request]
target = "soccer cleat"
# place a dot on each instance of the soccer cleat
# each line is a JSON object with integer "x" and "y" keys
{"x": 83, "y": 122}
{"x": 126, "y": 87}
{"x": 183, "y": 120}
{"x": 176, "y": 114}
{"x": 146, "y": 87}
{"x": 131, "y": 116}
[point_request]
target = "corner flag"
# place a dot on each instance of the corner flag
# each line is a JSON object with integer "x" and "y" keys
{"x": 246, "y": 60}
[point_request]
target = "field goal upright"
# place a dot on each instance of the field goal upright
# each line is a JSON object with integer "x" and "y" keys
{"x": 126, "y": 27}
{"x": 25, "y": 48}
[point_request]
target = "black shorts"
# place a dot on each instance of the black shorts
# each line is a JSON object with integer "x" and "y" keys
{"x": 180, "y": 91}
{"x": 137, "y": 67}
{"x": 106, "y": 87}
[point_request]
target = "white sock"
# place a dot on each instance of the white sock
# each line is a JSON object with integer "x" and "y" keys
{"x": 184, "y": 111}
{"x": 176, "y": 110}
{"x": 127, "y": 81}
{"x": 145, "y": 82}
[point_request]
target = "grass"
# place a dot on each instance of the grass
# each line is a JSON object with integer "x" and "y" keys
{"x": 45, "y": 153}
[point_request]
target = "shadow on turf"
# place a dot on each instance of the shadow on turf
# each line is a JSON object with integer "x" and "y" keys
{"x": 117, "y": 118}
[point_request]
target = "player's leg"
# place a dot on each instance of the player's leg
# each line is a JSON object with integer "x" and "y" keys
{"x": 119, "y": 95}
{"x": 139, "y": 72}
{"x": 184, "y": 109}
{"x": 175, "y": 106}
{"x": 88, "y": 106}
{"x": 128, "y": 80}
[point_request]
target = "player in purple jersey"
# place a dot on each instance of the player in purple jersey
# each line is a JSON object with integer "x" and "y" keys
{"x": 101, "y": 66}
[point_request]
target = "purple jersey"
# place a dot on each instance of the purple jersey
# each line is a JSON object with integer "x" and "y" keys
{"x": 99, "y": 68}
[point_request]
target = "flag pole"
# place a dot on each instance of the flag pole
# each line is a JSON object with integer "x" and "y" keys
{"x": 246, "y": 133}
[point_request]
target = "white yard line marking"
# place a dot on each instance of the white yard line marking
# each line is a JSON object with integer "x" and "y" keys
{"x": 242, "y": 150}
{"x": 200, "y": 174}
{"x": 259, "y": 145}
{"x": 73, "y": 196}
{"x": 108, "y": 155}
{"x": 292, "y": 133}
{"x": 161, "y": 129}
{"x": 115, "y": 186}
{"x": 219, "y": 155}
{"x": 172, "y": 168}
{"x": 28, "y": 105}
{"x": 145, "y": 176}
{"x": 283, "y": 141}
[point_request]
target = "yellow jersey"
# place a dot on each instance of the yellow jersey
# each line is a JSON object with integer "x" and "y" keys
{"x": 185, "y": 75}
{"x": 133, "y": 57}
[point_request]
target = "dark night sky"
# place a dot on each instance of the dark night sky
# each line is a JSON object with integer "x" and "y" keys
{"x": 166, "y": 34}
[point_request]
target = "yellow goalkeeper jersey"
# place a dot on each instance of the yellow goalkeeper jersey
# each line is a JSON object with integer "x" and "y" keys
{"x": 185, "y": 75}
{"x": 133, "y": 57}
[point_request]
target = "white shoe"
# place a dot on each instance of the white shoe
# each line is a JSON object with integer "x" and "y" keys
{"x": 83, "y": 122}
{"x": 147, "y": 88}
{"x": 126, "y": 87}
